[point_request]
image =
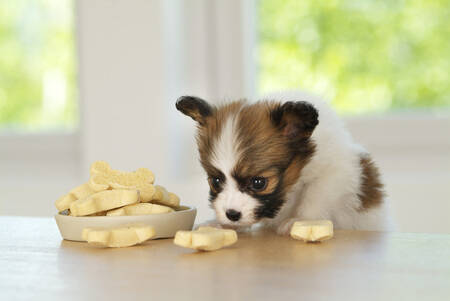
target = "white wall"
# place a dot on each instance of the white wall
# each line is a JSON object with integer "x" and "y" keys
{"x": 136, "y": 60}
{"x": 413, "y": 153}
{"x": 121, "y": 76}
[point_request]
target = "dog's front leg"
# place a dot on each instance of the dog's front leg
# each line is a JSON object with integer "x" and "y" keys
{"x": 318, "y": 199}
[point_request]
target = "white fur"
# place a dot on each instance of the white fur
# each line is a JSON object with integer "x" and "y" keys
{"x": 330, "y": 182}
{"x": 327, "y": 188}
{"x": 224, "y": 157}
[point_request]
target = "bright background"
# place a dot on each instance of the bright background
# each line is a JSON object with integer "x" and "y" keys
{"x": 365, "y": 56}
{"x": 88, "y": 80}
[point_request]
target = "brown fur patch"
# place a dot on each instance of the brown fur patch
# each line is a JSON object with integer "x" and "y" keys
{"x": 272, "y": 177}
{"x": 293, "y": 172}
{"x": 371, "y": 189}
{"x": 261, "y": 145}
{"x": 208, "y": 133}
{"x": 264, "y": 149}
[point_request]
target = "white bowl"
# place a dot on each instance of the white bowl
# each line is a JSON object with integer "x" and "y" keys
{"x": 165, "y": 224}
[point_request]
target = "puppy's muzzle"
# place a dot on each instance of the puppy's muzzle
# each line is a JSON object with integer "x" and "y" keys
{"x": 233, "y": 215}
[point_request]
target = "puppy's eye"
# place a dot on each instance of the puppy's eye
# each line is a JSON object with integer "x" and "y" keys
{"x": 258, "y": 183}
{"x": 215, "y": 183}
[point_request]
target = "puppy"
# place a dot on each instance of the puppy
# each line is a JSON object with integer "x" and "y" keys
{"x": 282, "y": 159}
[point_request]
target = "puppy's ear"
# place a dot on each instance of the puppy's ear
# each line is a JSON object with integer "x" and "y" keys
{"x": 194, "y": 107}
{"x": 296, "y": 120}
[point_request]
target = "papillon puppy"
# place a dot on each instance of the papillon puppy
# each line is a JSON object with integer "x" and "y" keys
{"x": 285, "y": 158}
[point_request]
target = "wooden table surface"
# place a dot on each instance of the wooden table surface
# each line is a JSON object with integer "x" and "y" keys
{"x": 36, "y": 264}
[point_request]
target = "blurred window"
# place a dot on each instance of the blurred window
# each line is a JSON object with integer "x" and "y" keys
{"x": 366, "y": 56}
{"x": 37, "y": 66}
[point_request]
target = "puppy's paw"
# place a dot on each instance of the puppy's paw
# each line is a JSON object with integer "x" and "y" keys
{"x": 285, "y": 227}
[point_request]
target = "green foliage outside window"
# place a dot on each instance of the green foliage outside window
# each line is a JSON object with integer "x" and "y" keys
{"x": 365, "y": 56}
{"x": 37, "y": 66}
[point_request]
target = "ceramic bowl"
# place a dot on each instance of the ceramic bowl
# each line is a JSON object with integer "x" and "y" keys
{"x": 165, "y": 224}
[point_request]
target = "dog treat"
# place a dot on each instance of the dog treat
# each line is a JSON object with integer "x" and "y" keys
{"x": 140, "y": 209}
{"x": 122, "y": 177}
{"x": 163, "y": 197}
{"x": 101, "y": 213}
{"x": 100, "y": 167}
{"x": 125, "y": 236}
{"x": 79, "y": 192}
{"x": 63, "y": 203}
{"x": 205, "y": 238}
{"x": 83, "y": 191}
{"x": 104, "y": 177}
{"x": 311, "y": 231}
{"x": 161, "y": 194}
{"x": 104, "y": 200}
{"x": 174, "y": 200}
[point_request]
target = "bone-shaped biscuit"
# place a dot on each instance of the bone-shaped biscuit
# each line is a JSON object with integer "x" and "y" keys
{"x": 174, "y": 200}
{"x": 100, "y": 167}
{"x": 140, "y": 209}
{"x": 125, "y": 236}
{"x": 311, "y": 231}
{"x": 104, "y": 177}
{"x": 104, "y": 200}
{"x": 205, "y": 238}
{"x": 163, "y": 197}
{"x": 79, "y": 192}
{"x": 63, "y": 203}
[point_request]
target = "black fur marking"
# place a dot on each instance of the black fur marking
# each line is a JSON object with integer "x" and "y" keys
{"x": 270, "y": 204}
{"x": 212, "y": 196}
{"x": 194, "y": 107}
{"x": 241, "y": 181}
{"x": 296, "y": 119}
{"x": 213, "y": 193}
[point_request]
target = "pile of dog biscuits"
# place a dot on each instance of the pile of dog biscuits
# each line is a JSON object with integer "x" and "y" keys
{"x": 108, "y": 190}
{"x": 112, "y": 192}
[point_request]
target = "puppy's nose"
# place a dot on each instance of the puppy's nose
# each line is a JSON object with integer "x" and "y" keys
{"x": 233, "y": 215}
